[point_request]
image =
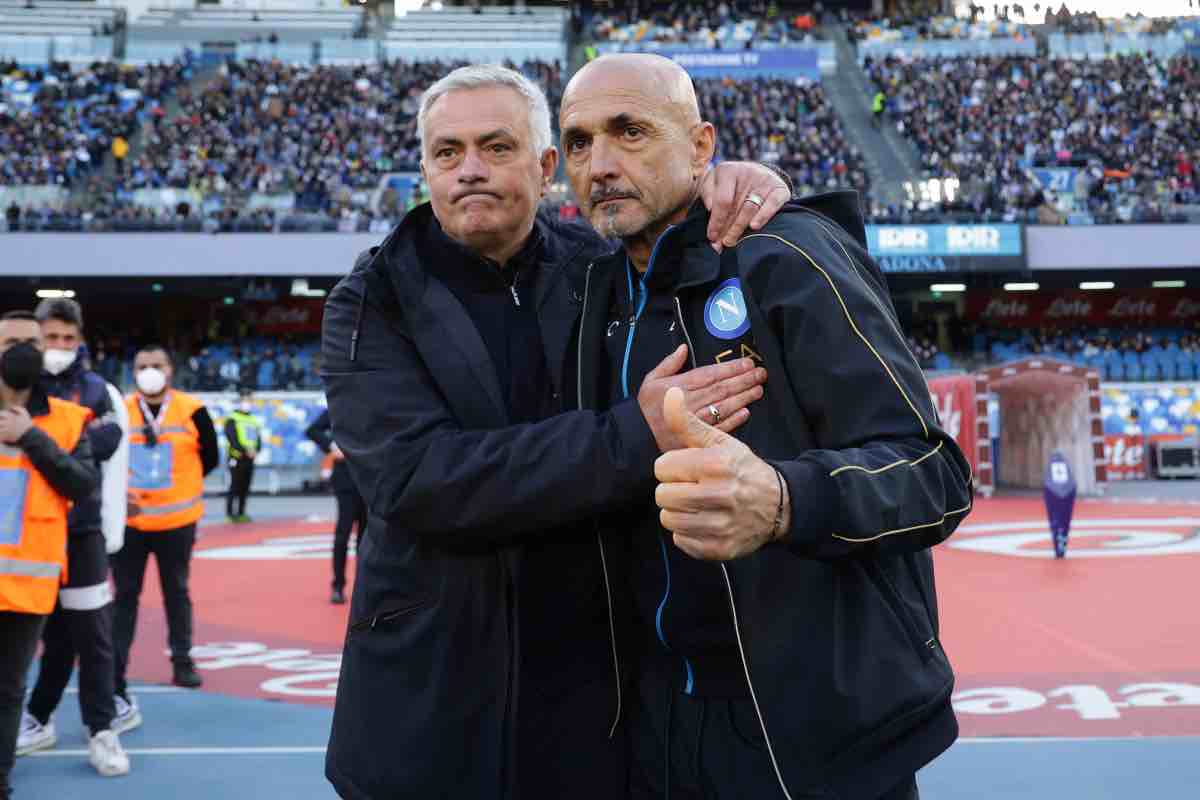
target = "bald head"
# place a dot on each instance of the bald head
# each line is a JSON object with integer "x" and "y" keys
{"x": 657, "y": 79}
{"x": 634, "y": 146}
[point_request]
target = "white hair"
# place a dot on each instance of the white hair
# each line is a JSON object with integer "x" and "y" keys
{"x": 483, "y": 76}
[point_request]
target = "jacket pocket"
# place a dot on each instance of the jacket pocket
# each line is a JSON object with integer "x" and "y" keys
{"x": 389, "y": 615}
{"x": 923, "y": 645}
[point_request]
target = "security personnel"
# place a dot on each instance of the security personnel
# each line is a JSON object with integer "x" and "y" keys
{"x": 172, "y": 446}
{"x": 45, "y": 464}
{"x": 81, "y": 623}
{"x": 351, "y": 509}
{"x": 243, "y": 436}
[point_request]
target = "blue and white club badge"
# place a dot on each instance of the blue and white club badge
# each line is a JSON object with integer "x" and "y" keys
{"x": 725, "y": 312}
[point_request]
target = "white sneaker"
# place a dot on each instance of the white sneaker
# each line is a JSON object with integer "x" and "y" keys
{"x": 107, "y": 755}
{"x": 34, "y": 736}
{"x": 128, "y": 716}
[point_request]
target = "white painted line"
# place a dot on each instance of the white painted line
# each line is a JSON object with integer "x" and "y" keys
{"x": 191, "y": 751}
{"x": 1066, "y": 739}
{"x": 136, "y": 690}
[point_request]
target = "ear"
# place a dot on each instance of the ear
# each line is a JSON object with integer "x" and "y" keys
{"x": 549, "y": 166}
{"x": 704, "y": 146}
{"x": 424, "y": 173}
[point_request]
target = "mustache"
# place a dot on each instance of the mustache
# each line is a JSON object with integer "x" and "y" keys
{"x": 600, "y": 195}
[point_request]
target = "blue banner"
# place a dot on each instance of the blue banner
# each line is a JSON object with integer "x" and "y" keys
{"x": 1060, "y": 180}
{"x": 779, "y": 62}
{"x": 946, "y": 248}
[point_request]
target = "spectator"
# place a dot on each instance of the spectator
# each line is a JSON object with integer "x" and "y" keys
{"x": 985, "y": 120}
{"x": 231, "y": 371}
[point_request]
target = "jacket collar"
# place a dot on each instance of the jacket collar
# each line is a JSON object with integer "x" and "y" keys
{"x": 672, "y": 271}
{"x": 669, "y": 269}
{"x": 456, "y": 264}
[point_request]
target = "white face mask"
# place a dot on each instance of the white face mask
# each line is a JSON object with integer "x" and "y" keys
{"x": 151, "y": 381}
{"x": 245, "y": 407}
{"x": 56, "y": 362}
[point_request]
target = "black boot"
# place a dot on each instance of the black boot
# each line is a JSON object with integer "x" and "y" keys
{"x": 185, "y": 675}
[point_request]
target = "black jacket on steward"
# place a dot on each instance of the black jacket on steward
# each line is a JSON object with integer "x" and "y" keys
{"x": 84, "y": 387}
{"x": 73, "y": 475}
{"x": 428, "y": 703}
{"x": 838, "y": 625}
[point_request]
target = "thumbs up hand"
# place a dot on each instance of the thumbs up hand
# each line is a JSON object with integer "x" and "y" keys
{"x": 718, "y": 499}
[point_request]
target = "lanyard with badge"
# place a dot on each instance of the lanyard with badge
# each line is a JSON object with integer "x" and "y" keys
{"x": 153, "y": 426}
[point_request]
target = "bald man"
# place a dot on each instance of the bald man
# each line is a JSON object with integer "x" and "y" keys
{"x": 781, "y": 574}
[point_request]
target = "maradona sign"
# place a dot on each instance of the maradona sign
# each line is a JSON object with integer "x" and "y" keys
{"x": 947, "y": 248}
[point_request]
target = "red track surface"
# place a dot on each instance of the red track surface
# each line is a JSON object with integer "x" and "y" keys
{"x": 1041, "y": 647}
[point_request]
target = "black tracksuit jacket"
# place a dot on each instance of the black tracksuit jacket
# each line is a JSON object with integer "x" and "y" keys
{"x": 482, "y": 574}
{"x": 835, "y": 629}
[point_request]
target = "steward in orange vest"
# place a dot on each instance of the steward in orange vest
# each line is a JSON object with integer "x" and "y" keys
{"x": 166, "y": 476}
{"x": 45, "y": 464}
{"x": 172, "y": 446}
{"x": 49, "y": 467}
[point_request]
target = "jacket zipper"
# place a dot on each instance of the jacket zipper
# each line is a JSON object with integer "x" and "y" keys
{"x": 733, "y": 604}
{"x": 612, "y": 625}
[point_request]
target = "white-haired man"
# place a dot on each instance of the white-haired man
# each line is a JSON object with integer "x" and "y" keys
{"x": 486, "y": 655}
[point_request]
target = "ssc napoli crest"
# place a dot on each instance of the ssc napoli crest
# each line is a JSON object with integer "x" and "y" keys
{"x": 725, "y": 313}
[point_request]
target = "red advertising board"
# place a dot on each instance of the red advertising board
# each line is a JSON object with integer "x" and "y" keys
{"x": 1166, "y": 308}
{"x": 954, "y": 398}
{"x": 292, "y": 315}
{"x": 1126, "y": 454}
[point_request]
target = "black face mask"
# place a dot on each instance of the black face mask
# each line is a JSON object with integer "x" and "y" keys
{"x": 20, "y": 366}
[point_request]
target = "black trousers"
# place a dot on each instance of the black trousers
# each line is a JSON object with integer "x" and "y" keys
{"x": 241, "y": 472}
{"x": 173, "y": 553}
{"x": 696, "y": 748}
{"x": 19, "y": 634}
{"x": 351, "y": 512}
{"x": 84, "y": 632}
{"x": 87, "y": 634}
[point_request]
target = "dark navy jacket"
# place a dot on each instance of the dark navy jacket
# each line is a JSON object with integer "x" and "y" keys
{"x": 836, "y": 628}
{"x": 84, "y": 387}
{"x": 429, "y": 698}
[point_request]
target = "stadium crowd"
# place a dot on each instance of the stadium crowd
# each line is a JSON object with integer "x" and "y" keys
{"x": 715, "y": 24}
{"x": 1132, "y": 121}
{"x": 324, "y": 133}
{"x": 790, "y": 123}
{"x": 57, "y": 125}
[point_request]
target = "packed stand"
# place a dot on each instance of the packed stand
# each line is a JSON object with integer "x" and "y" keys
{"x": 1117, "y": 354}
{"x": 1064, "y": 21}
{"x": 1131, "y": 125}
{"x": 325, "y": 135}
{"x": 712, "y": 24}
{"x": 58, "y": 124}
{"x": 790, "y": 123}
{"x": 920, "y": 20}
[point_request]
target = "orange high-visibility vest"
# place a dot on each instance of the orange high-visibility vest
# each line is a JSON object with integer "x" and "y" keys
{"x": 33, "y": 518}
{"x": 167, "y": 480}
